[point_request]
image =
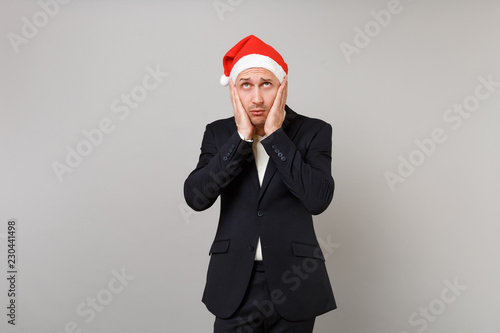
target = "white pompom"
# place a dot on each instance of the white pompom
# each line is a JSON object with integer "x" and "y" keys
{"x": 224, "y": 80}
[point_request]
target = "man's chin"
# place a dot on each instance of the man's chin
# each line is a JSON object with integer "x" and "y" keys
{"x": 258, "y": 121}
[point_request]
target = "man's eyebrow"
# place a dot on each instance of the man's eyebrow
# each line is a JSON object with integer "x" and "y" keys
{"x": 261, "y": 78}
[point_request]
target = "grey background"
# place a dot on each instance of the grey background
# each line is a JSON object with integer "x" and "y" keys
{"x": 122, "y": 208}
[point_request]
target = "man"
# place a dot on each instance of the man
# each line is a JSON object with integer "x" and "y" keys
{"x": 271, "y": 168}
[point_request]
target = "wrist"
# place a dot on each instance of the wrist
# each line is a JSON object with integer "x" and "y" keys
{"x": 246, "y": 137}
{"x": 270, "y": 131}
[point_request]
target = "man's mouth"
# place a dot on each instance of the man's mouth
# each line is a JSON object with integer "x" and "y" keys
{"x": 257, "y": 112}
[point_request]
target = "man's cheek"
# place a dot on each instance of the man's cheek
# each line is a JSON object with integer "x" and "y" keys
{"x": 272, "y": 98}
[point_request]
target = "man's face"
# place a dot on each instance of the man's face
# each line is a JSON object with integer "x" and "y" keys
{"x": 257, "y": 88}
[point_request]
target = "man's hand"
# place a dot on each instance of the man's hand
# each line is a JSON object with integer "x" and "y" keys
{"x": 276, "y": 115}
{"x": 243, "y": 123}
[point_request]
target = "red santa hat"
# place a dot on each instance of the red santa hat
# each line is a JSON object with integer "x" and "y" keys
{"x": 252, "y": 52}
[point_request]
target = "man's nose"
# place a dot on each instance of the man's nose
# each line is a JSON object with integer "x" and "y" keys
{"x": 257, "y": 97}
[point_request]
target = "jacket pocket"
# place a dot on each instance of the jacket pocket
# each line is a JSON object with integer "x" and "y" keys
{"x": 307, "y": 250}
{"x": 220, "y": 246}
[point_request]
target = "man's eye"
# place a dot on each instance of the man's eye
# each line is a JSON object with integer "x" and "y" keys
{"x": 267, "y": 84}
{"x": 245, "y": 85}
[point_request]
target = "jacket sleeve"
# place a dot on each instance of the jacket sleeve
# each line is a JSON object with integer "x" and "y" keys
{"x": 307, "y": 176}
{"x": 216, "y": 168}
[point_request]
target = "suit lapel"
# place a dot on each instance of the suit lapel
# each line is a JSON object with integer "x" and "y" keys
{"x": 290, "y": 126}
{"x": 252, "y": 171}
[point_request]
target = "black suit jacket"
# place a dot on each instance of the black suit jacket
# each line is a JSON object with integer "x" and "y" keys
{"x": 297, "y": 184}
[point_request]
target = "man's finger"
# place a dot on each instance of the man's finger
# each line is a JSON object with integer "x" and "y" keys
{"x": 238, "y": 106}
{"x": 281, "y": 95}
{"x": 285, "y": 90}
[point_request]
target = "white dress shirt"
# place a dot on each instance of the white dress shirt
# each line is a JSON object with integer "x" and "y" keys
{"x": 261, "y": 159}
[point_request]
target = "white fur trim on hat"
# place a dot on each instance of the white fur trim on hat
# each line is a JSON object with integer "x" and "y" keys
{"x": 256, "y": 60}
{"x": 224, "y": 80}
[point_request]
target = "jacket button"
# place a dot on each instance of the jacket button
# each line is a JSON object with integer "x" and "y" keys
{"x": 260, "y": 213}
{"x": 251, "y": 248}
{"x": 225, "y": 158}
{"x": 283, "y": 158}
{"x": 273, "y": 146}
